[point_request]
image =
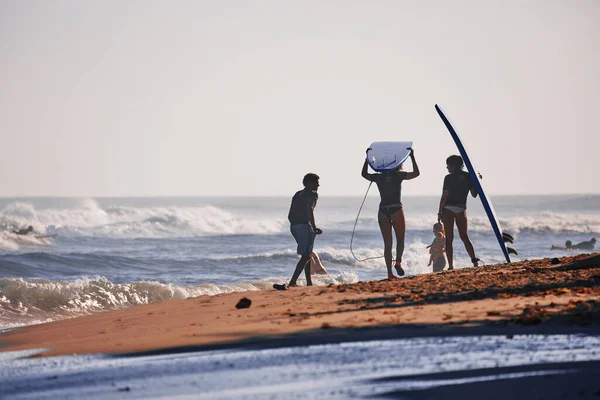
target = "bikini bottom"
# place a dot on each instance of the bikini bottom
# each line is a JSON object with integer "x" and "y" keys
{"x": 455, "y": 209}
{"x": 388, "y": 211}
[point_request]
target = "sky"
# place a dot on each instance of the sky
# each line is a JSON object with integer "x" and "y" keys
{"x": 242, "y": 98}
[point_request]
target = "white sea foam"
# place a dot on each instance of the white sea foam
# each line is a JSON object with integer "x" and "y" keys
{"x": 414, "y": 259}
{"x": 535, "y": 222}
{"x": 26, "y": 302}
{"x": 120, "y": 221}
{"x": 89, "y": 219}
{"x": 11, "y": 241}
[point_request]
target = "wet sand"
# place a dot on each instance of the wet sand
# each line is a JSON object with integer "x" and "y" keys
{"x": 529, "y": 296}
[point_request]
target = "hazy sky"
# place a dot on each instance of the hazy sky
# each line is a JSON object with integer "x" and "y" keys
{"x": 136, "y": 98}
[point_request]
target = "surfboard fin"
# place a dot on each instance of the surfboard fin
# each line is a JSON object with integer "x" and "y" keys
{"x": 507, "y": 237}
{"x": 511, "y": 251}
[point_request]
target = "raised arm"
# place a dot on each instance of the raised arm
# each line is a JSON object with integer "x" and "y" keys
{"x": 365, "y": 169}
{"x": 415, "y": 172}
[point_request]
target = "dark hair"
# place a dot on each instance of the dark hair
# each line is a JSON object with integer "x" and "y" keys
{"x": 455, "y": 161}
{"x": 310, "y": 177}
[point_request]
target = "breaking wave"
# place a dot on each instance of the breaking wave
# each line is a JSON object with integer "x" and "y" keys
{"x": 550, "y": 222}
{"x": 133, "y": 222}
{"x": 24, "y": 302}
{"x": 89, "y": 219}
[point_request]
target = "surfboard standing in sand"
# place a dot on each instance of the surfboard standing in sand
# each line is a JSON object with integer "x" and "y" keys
{"x": 485, "y": 201}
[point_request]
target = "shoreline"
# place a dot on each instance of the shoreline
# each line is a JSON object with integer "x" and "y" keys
{"x": 526, "y": 297}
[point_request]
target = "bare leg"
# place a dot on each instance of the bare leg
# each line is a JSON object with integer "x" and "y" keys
{"x": 448, "y": 220}
{"x": 385, "y": 225}
{"x": 307, "y": 273}
{"x": 439, "y": 264}
{"x": 316, "y": 266}
{"x": 304, "y": 260}
{"x": 462, "y": 226}
{"x": 399, "y": 224}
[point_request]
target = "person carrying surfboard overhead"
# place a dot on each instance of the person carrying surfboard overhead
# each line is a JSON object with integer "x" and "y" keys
{"x": 303, "y": 227}
{"x": 453, "y": 207}
{"x": 391, "y": 212}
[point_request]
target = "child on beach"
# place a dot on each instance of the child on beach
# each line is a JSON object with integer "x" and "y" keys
{"x": 437, "y": 248}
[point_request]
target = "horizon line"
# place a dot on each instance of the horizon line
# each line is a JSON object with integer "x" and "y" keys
{"x": 264, "y": 196}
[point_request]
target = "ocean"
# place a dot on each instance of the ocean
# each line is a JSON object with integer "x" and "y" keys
{"x": 117, "y": 252}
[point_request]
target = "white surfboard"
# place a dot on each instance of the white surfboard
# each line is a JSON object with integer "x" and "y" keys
{"x": 388, "y": 156}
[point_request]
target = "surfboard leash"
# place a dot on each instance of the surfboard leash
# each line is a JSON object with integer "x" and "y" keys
{"x": 354, "y": 229}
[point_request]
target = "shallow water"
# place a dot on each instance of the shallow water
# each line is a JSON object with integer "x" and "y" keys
{"x": 346, "y": 370}
{"x": 112, "y": 253}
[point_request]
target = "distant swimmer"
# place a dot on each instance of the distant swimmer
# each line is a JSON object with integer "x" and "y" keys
{"x": 586, "y": 245}
{"x": 24, "y": 231}
{"x": 303, "y": 227}
{"x": 568, "y": 246}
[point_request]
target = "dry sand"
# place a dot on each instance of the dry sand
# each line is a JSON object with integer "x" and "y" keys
{"x": 497, "y": 298}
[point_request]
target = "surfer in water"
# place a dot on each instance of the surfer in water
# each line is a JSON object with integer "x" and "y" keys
{"x": 24, "y": 231}
{"x": 391, "y": 213}
{"x": 453, "y": 207}
{"x": 303, "y": 227}
{"x": 586, "y": 245}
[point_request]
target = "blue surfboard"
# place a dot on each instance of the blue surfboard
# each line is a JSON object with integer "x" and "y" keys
{"x": 485, "y": 201}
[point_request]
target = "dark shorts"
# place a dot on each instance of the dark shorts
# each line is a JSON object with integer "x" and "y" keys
{"x": 304, "y": 237}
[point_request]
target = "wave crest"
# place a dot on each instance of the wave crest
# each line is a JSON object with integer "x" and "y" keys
{"x": 90, "y": 219}
{"x": 23, "y": 302}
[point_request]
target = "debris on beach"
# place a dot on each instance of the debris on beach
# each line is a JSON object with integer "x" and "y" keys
{"x": 243, "y": 303}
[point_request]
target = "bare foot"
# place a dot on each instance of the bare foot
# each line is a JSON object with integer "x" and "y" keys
{"x": 399, "y": 269}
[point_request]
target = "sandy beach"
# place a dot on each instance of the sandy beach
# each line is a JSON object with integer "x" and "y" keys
{"x": 529, "y": 296}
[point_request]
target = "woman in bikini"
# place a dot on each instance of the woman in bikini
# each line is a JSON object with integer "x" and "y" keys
{"x": 391, "y": 214}
{"x": 453, "y": 207}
